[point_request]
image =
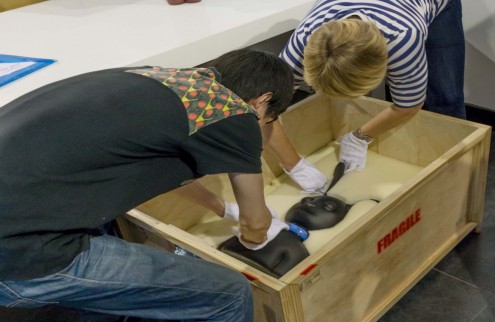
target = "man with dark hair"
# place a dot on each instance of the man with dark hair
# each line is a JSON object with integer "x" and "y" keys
{"x": 79, "y": 152}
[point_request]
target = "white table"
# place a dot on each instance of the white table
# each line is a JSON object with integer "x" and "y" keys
{"x": 88, "y": 35}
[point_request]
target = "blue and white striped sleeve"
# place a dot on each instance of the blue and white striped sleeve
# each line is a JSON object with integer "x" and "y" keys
{"x": 407, "y": 72}
{"x": 293, "y": 55}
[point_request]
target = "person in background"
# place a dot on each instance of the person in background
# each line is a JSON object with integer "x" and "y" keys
{"x": 79, "y": 152}
{"x": 346, "y": 48}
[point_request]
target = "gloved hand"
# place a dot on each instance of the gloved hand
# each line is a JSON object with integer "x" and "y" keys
{"x": 308, "y": 177}
{"x": 232, "y": 211}
{"x": 353, "y": 152}
{"x": 276, "y": 259}
{"x": 275, "y": 228}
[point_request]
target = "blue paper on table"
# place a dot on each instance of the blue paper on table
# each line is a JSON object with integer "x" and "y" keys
{"x": 15, "y": 67}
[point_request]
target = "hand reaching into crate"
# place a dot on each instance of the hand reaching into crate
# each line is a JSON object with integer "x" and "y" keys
{"x": 306, "y": 175}
{"x": 282, "y": 249}
{"x": 275, "y": 228}
{"x": 232, "y": 213}
{"x": 353, "y": 152}
{"x": 276, "y": 258}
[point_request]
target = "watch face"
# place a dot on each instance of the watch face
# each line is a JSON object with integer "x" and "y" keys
{"x": 360, "y": 135}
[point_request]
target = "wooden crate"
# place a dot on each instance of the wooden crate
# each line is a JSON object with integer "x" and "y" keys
{"x": 371, "y": 263}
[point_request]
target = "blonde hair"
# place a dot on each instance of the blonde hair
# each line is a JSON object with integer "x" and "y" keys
{"x": 345, "y": 58}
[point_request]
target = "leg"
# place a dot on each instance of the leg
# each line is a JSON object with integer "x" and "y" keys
{"x": 121, "y": 278}
{"x": 445, "y": 49}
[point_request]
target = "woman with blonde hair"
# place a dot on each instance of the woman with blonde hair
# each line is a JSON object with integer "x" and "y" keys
{"x": 346, "y": 49}
{"x": 336, "y": 66}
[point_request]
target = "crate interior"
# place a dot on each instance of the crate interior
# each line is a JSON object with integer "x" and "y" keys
{"x": 313, "y": 125}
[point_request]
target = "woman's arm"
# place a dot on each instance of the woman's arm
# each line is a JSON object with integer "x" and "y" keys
{"x": 389, "y": 119}
{"x": 354, "y": 145}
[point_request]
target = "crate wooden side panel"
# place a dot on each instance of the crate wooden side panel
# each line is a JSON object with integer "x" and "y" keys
{"x": 306, "y": 124}
{"x": 349, "y": 114}
{"x": 420, "y": 141}
{"x": 282, "y": 306}
{"x": 183, "y": 213}
{"x": 477, "y": 190}
{"x": 357, "y": 282}
{"x": 352, "y": 280}
{"x": 173, "y": 209}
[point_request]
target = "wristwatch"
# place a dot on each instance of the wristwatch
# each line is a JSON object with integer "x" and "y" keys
{"x": 362, "y": 136}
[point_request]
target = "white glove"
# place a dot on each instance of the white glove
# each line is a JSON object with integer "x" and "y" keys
{"x": 275, "y": 228}
{"x": 353, "y": 152}
{"x": 308, "y": 176}
{"x": 232, "y": 211}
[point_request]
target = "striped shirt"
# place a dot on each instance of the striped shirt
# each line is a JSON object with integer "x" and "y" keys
{"x": 403, "y": 23}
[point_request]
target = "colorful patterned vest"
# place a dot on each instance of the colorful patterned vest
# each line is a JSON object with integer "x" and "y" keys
{"x": 205, "y": 100}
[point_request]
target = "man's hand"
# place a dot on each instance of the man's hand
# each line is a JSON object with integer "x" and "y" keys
{"x": 353, "y": 152}
{"x": 275, "y": 228}
{"x": 305, "y": 174}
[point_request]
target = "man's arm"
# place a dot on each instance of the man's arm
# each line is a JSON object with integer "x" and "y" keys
{"x": 299, "y": 169}
{"x": 278, "y": 143}
{"x": 254, "y": 217}
{"x": 197, "y": 193}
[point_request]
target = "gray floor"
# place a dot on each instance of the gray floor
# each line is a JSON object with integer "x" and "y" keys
{"x": 460, "y": 288}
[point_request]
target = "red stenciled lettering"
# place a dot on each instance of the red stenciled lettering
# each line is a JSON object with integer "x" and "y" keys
{"x": 387, "y": 240}
{"x": 380, "y": 245}
{"x": 395, "y": 234}
{"x": 410, "y": 221}
{"x": 398, "y": 231}
{"x": 417, "y": 215}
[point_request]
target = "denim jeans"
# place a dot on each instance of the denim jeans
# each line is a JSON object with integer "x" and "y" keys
{"x": 120, "y": 278}
{"x": 445, "y": 52}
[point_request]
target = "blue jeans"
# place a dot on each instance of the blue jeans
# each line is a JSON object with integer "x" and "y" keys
{"x": 120, "y": 278}
{"x": 445, "y": 52}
